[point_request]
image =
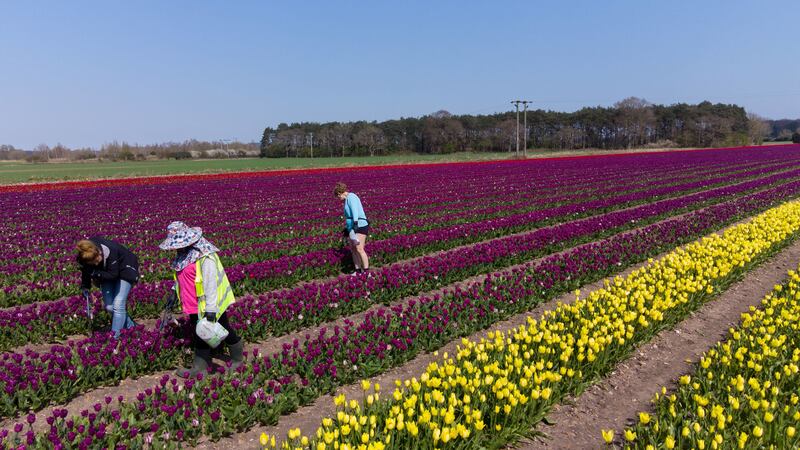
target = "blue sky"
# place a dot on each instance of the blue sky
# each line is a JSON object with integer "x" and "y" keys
{"x": 84, "y": 73}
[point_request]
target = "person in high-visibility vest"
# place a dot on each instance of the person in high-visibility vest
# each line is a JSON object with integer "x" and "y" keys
{"x": 203, "y": 290}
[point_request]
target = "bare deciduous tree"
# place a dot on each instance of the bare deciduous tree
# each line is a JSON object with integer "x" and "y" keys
{"x": 636, "y": 119}
{"x": 757, "y": 128}
{"x": 371, "y": 138}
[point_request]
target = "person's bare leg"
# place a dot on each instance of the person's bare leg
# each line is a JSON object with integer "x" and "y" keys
{"x": 356, "y": 256}
{"x": 362, "y": 253}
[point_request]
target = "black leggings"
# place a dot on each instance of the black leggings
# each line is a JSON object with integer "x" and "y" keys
{"x": 198, "y": 343}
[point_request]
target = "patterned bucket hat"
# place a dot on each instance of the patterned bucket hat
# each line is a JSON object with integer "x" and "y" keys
{"x": 180, "y": 235}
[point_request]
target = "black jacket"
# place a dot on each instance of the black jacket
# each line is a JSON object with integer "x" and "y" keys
{"x": 120, "y": 263}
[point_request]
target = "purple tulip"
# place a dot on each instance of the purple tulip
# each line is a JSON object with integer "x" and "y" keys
{"x": 329, "y": 359}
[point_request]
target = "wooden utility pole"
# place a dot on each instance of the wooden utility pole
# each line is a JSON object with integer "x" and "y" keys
{"x": 516, "y": 103}
{"x": 525, "y": 128}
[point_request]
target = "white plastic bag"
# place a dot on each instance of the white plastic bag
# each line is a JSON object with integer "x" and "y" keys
{"x": 353, "y": 237}
{"x": 213, "y": 333}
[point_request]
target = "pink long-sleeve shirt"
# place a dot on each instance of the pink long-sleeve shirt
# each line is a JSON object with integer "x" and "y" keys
{"x": 188, "y": 290}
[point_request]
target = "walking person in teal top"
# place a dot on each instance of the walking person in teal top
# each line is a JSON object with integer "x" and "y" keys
{"x": 356, "y": 226}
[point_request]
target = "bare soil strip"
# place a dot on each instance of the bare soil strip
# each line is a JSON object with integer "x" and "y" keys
{"x": 130, "y": 387}
{"x": 39, "y": 348}
{"x": 308, "y": 418}
{"x": 459, "y": 247}
{"x": 274, "y": 344}
{"x": 726, "y": 311}
{"x": 615, "y": 402}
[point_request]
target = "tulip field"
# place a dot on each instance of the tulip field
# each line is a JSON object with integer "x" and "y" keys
{"x": 455, "y": 249}
{"x": 744, "y": 391}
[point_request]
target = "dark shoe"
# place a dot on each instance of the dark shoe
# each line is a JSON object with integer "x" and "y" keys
{"x": 236, "y": 355}
{"x": 202, "y": 359}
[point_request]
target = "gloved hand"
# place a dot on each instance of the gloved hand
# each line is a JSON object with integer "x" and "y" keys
{"x": 211, "y": 316}
{"x": 85, "y": 292}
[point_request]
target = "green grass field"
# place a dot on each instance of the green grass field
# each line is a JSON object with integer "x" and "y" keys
{"x": 20, "y": 172}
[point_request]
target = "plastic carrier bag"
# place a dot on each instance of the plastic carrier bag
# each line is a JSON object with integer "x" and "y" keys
{"x": 353, "y": 237}
{"x": 213, "y": 333}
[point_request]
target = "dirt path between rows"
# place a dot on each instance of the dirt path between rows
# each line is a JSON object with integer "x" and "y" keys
{"x": 44, "y": 347}
{"x": 308, "y": 418}
{"x": 130, "y": 387}
{"x": 151, "y": 322}
{"x": 328, "y": 278}
{"x": 615, "y": 402}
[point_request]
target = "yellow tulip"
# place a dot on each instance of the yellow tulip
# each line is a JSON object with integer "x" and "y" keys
{"x": 530, "y": 363}
{"x": 742, "y": 439}
{"x": 339, "y": 400}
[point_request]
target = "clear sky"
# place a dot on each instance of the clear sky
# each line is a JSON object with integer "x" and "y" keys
{"x": 83, "y": 73}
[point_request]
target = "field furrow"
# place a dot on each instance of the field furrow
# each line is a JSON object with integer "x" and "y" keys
{"x": 313, "y": 380}
{"x": 516, "y": 377}
{"x": 495, "y": 245}
{"x": 42, "y": 321}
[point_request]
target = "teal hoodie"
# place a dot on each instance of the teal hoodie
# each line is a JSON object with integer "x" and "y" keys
{"x": 353, "y": 211}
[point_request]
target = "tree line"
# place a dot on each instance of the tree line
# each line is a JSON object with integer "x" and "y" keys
{"x": 123, "y": 151}
{"x": 632, "y": 122}
{"x": 785, "y": 130}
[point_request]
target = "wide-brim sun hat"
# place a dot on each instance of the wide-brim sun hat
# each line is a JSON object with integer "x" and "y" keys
{"x": 180, "y": 235}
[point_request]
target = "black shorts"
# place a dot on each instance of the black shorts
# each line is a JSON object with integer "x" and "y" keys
{"x": 360, "y": 230}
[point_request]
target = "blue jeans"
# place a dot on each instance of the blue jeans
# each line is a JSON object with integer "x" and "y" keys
{"x": 115, "y": 298}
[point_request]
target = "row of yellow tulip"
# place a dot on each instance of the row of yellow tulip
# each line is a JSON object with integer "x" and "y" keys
{"x": 744, "y": 392}
{"x": 496, "y": 389}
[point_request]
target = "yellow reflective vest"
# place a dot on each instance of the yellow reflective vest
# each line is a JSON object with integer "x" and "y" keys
{"x": 225, "y": 295}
